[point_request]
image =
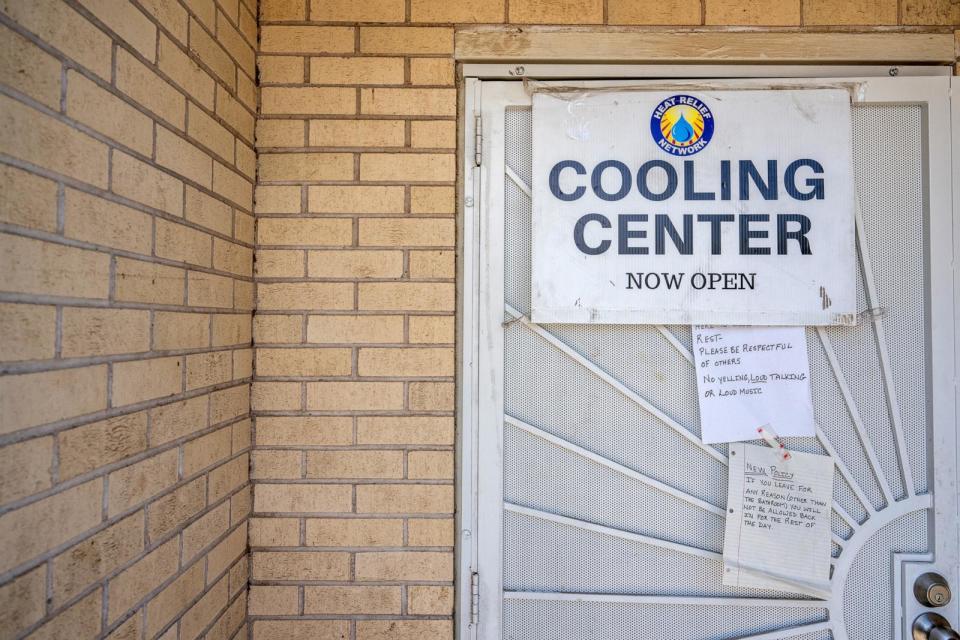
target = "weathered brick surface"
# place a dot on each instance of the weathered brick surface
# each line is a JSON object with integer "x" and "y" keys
{"x": 120, "y": 443}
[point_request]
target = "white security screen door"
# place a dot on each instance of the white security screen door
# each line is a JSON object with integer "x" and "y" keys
{"x": 591, "y": 509}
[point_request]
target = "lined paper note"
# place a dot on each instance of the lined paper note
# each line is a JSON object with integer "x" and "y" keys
{"x": 778, "y": 521}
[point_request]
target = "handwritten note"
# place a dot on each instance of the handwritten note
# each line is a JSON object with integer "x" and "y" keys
{"x": 778, "y": 521}
{"x": 748, "y": 377}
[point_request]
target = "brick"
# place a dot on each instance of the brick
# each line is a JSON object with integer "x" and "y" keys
{"x": 98, "y": 332}
{"x": 25, "y": 399}
{"x": 141, "y": 380}
{"x": 207, "y": 450}
{"x": 184, "y": 158}
{"x": 428, "y": 600}
{"x": 228, "y": 477}
{"x": 207, "y": 211}
{"x": 301, "y": 629}
{"x": 305, "y": 231}
{"x": 241, "y": 434}
{"x": 432, "y": 200}
{"x": 229, "y": 403}
{"x": 231, "y": 548}
{"x": 148, "y": 282}
{"x": 207, "y": 369}
{"x": 403, "y": 498}
{"x": 27, "y": 200}
{"x": 753, "y": 12}
{"x": 414, "y": 102}
{"x": 96, "y": 557}
{"x": 433, "y": 264}
{"x": 100, "y": 443}
{"x": 931, "y": 12}
{"x": 356, "y": 133}
{"x": 212, "y": 54}
{"x": 242, "y": 364}
{"x": 308, "y": 100}
{"x": 45, "y": 141}
{"x": 29, "y": 332}
{"x": 432, "y": 532}
{"x": 201, "y": 533}
{"x": 280, "y": 263}
{"x": 232, "y": 186}
{"x": 404, "y": 565}
{"x": 304, "y": 430}
{"x": 243, "y": 227}
{"x": 404, "y": 629}
{"x": 414, "y": 362}
{"x": 407, "y": 232}
{"x": 131, "y": 629}
{"x": 150, "y": 90}
{"x": 81, "y": 620}
{"x": 355, "y": 199}
{"x": 229, "y": 624}
{"x": 432, "y": 329}
{"x": 24, "y": 601}
{"x": 276, "y": 601}
{"x": 168, "y": 513}
{"x": 436, "y": 134}
{"x": 133, "y": 27}
{"x": 354, "y": 329}
{"x": 672, "y": 12}
{"x": 281, "y": 133}
{"x": 278, "y": 199}
{"x": 295, "y": 498}
{"x": 354, "y": 464}
{"x": 230, "y": 329}
{"x": 178, "y": 419}
{"x": 306, "y": 166}
{"x": 349, "y": 11}
{"x": 437, "y": 71}
{"x": 277, "y": 465}
{"x": 305, "y": 295}
{"x": 350, "y": 600}
{"x": 29, "y": 69}
{"x": 366, "y": 70}
{"x": 108, "y": 114}
{"x": 353, "y": 532}
{"x": 355, "y": 264}
{"x": 406, "y": 40}
{"x": 63, "y": 28}
{"x": 236, "y": 45}
{"x": 283, "y": 10}
{"x": 167, "y": 604}
{"x": 405, "y": 430}
{"x": 235, "y": 114}
{"x": 280, "y": 70}
{"x": 208, "y": 290}
{"x": 354, "y": 396}
{"x": 170, "y": 14}
{"x": 277, "y": 329}
{"x": 276, "y": 396}
{"x": 274, "y": 532}
{"x": 25, "y": 468}
{"x": 210, "y": 133}
{"x": 450, "y": 12}
{"x": 175, "y": 330}
{"x": 48, "y": 523}
{"x": 102, "y": 222}
{"x": 298, "y": 565}
{"x": 290, "y": 39}
{"x": 408, "y": 167}
{"x": 304, "y": 362}
{"x": 200, "y": 615}
{"x": 430, "y": 465}
{"x": 389, "y": 296}
{"x": 138, "y": 482}
{"x": 241, "y": 506}
{"x": 143, "y": 183}
{"x": 556, "y": 11}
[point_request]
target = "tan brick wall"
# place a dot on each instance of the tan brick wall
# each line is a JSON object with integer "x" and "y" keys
{"x": 126, "y": 240}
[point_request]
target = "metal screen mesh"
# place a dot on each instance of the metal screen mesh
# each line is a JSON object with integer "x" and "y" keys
{"x": 549, "y": 388}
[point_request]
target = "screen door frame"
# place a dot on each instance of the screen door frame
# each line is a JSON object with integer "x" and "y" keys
{"x": 481, "y": 271}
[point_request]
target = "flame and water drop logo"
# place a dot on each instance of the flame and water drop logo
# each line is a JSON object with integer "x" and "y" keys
{"x": 682, "y": 125}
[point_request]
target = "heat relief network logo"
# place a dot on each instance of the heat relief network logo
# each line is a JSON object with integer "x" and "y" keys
{"x": 682, "y": 125}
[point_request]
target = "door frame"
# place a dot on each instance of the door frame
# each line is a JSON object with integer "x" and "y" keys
{"x": 480, "y": 282}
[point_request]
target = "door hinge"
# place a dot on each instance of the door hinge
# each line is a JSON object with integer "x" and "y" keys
{"x": 477, "y": 140}
{"x": 474, "y": 598}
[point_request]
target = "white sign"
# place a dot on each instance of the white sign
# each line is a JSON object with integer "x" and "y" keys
{"x": 748, "y": 377}
{"x": 777, "y": 534}
{"x": 721, "y": 207}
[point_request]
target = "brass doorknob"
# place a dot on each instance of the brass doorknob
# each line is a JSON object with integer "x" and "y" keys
{"x": 933, "y": 626}
{"x": 931, "y": 590}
